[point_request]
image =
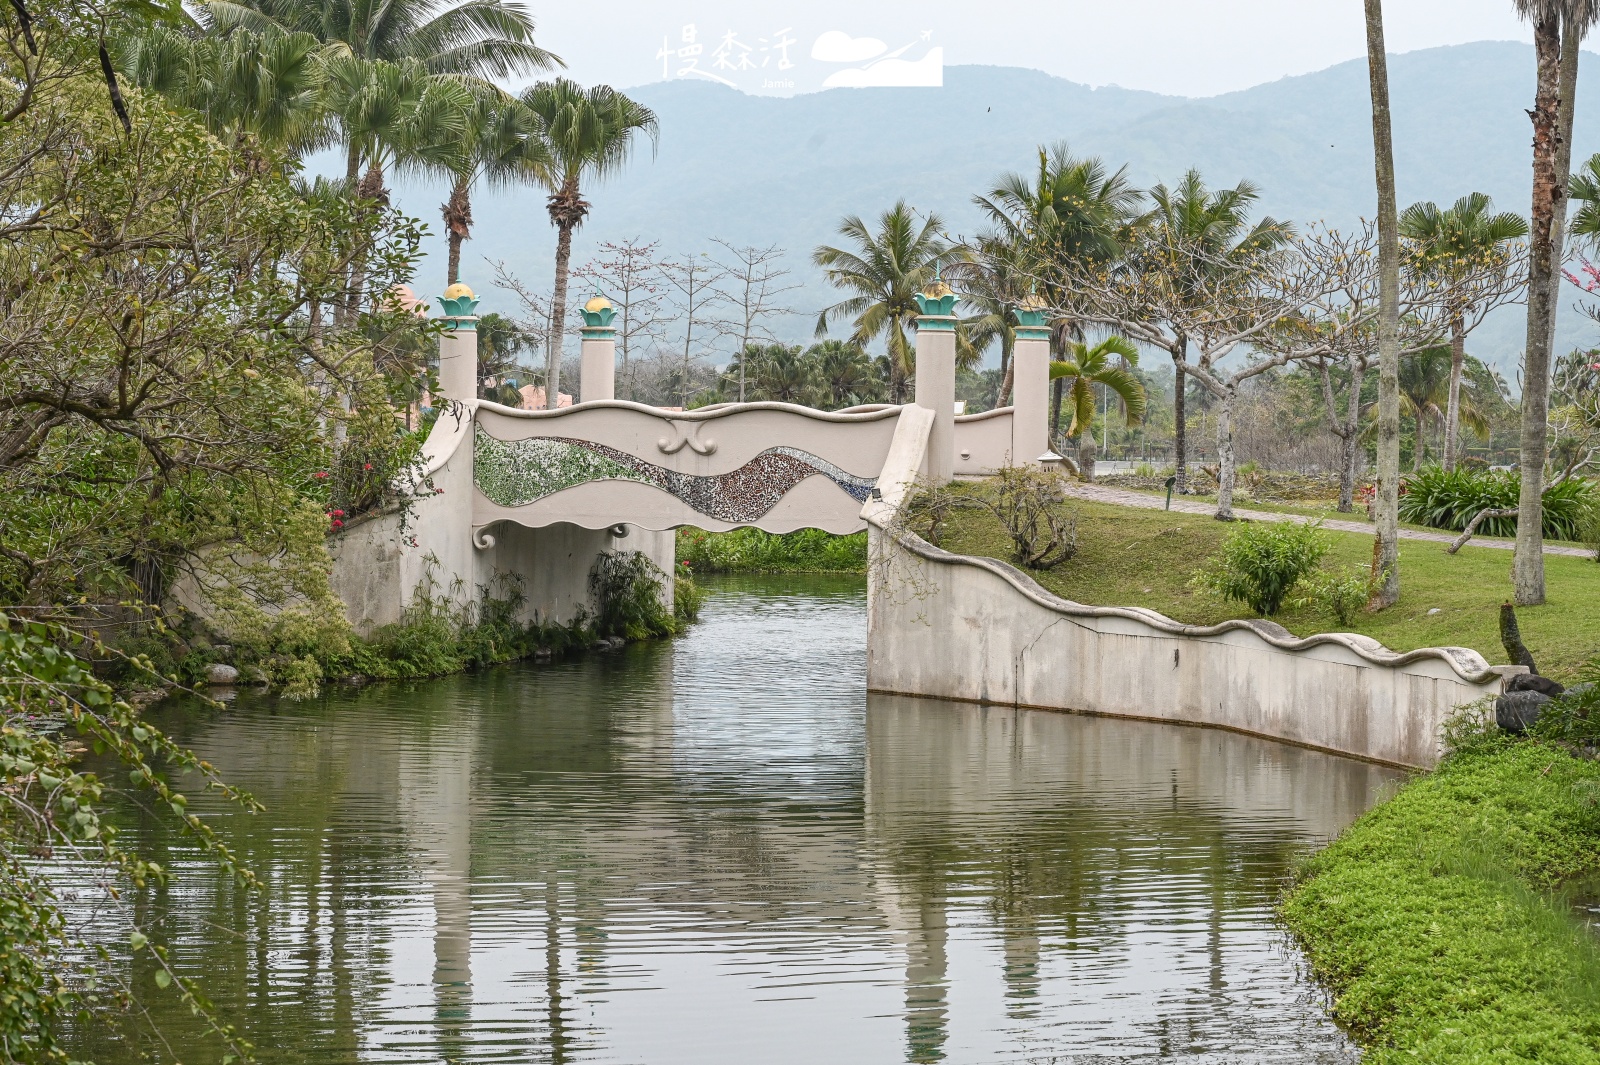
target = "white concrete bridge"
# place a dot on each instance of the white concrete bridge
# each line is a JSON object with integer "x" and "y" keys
{"x": 539, "y": 495}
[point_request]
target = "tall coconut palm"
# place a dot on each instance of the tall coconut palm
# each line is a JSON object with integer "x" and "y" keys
{"x": 884, "y": 270}
{"x": 1447, "y": 243}
{"x": 1087, "y": 366}
{"x": 504, "y": 143}
{"x": 1206, "y": 230}
{"x": 477, "y": 39}
{"x": 1070, "y": 211}
{"x": 588, "y": 134}
{"x": 1556, "y": 24}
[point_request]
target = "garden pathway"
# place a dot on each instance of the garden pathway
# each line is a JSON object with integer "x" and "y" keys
{"x": 1123, "y": 497}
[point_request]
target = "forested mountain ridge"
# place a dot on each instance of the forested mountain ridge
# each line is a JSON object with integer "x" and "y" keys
{"x": 763, "y": 170}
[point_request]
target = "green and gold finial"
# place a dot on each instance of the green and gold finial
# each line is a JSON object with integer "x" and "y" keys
{"x": 460, "y": 306}
{"x": 936, "y": 303}
{"x": 1031, "y": 323}
{"x": 598, "y": 314}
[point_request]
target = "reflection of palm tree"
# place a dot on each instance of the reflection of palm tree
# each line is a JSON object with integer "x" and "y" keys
{"x": 588, "y": 134}
{"x": 1447, "y": 244}
{"x": 1088, "y": 366}
{"x": 884, "y": 270}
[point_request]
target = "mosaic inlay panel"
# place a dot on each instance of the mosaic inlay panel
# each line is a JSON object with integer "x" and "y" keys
{"x": 515, "y": 472}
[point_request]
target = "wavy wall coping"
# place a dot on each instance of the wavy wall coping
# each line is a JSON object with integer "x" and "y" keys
{"x": 998, "y": 412}
{"x": 701, "y": 414}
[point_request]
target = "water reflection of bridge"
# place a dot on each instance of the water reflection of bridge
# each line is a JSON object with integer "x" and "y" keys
{"x": 555, "y": 868}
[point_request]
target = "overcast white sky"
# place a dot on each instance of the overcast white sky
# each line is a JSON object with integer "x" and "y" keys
{"x": 1184, "y": 47}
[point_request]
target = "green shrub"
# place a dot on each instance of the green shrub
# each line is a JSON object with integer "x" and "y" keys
{"x": 1574, "y": 717}
{"x": 1443, "y": 499}
{"x": 687, "y": 598}
{"x": 1342, "y": 593}
{"x": 1260, "y": 563}
{"x": 754, "y": 551}
{"x": 628, "y": 596}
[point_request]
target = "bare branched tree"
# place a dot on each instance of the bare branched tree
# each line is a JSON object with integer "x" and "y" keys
{"x": 629, "y": 275}
{"x": 754, "y": 284}
{"x": 699, "y": 306}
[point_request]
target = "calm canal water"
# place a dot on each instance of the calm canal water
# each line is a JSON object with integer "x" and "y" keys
{"x": 720, "y": 849}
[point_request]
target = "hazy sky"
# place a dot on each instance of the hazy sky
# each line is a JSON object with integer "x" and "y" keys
{"x": 1184, "y": 47}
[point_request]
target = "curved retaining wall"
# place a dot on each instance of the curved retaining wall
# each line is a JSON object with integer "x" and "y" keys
{"x": 975, "y": 629}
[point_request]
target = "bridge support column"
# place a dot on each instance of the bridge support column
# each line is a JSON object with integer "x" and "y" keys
{"x": 936, "y": 375}
{"x": 598, "y": 379}
{"x": 458, "y": 345}
{"x": 1030, "y": 388}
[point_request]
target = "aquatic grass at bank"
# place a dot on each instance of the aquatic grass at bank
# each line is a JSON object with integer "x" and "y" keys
{"x": 755, "y": 551}
{"x": 1439, "y": 920}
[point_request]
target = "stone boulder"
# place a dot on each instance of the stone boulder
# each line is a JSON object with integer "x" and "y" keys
{"x": 221, "y": 673}
{"x": 1515, "y": 711}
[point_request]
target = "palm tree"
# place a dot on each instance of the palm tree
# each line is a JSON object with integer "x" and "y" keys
{"x": 503, "y": 143}
{"x": 1206, "y": 230}
{"x": 779, "y": 372}
{"x": 1557, "y": 24}
{"x": 1072, "y": 211}
{"x": 885, "y": 269}
{"x": 1089, "y": 366}
{"x": 477, "y": 39}
{"x": 1447, "y": 243}
{"x": 1426, "y": 377}
{"x": 588, "y": 133}
{"x": 244, "y": 86}
{"x": 844, "y": 374}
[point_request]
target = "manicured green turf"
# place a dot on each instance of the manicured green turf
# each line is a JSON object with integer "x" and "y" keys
{"x": 1133, "y": 557}
{"x": 1437, "y": 919}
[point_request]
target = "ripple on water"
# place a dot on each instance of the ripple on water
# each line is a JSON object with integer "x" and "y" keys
{"x": 720, "y": 849}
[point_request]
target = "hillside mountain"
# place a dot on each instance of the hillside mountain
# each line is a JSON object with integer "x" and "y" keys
{"x": 764, "y": 170}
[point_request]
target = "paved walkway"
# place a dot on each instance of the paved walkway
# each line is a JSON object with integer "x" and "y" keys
{"x": 1122, "y": 497}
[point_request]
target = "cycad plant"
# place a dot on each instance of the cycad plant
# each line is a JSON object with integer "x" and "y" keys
{"x": 884, "y": 270}
{"x": 588, "y": 134}
{"x": 1087, "y": 366}
{"x": 1446, "y": 244}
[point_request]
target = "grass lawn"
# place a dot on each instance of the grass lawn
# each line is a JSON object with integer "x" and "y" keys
{"x": 1437, "y": 920}
{"x": 1133, "y": 557}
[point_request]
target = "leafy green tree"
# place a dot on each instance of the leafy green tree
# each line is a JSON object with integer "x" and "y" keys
{"x": 1087, "y": 366}
{"x": 884, "y": 270}
{"x": 245, "y": 86}
{"x": 500, "y": 341}
{"x": 1449, "y": 243}
{"x": 588, "y": 134}
{"x": 780, "y": 373}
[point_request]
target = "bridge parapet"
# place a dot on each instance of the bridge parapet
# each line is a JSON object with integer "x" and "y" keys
{"x": 772, "y": 466}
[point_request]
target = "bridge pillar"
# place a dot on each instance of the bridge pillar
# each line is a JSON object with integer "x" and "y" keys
{"x": 936, "y": 375}
{"x": 598, "y": 379}
{"x": 458, "y": 345}
{"x": 1030, "y": 386}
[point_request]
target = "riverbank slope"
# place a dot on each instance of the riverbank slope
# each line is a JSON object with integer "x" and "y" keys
{"x": 1439, "y": 920}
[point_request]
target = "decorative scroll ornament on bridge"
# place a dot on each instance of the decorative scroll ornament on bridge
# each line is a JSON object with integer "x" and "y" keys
{"x": 514, "y": 473}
